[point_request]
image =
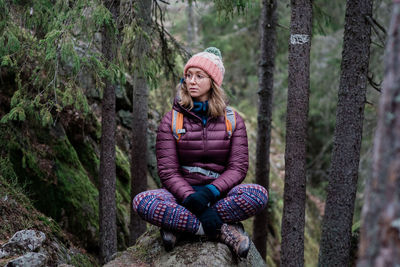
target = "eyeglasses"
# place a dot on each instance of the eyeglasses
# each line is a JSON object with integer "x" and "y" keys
{"x": 198, "y": 77}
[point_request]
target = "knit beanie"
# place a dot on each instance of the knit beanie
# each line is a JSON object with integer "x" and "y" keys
{"x": 210, "y": 61}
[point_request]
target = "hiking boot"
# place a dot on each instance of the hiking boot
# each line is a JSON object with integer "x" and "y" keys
{"x": 168, "y": 238}
{"x": 235, "y": 238}
{"x": 239, "y": 226}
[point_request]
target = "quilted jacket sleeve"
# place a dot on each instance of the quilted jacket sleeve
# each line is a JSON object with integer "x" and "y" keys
{"x": 238, "y": 162}
{"x": 168, "y": 162}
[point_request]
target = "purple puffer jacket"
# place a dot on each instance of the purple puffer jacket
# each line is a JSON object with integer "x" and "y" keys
{"x": 208, "y": 147}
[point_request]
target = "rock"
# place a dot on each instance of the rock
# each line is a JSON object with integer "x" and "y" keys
{"x": 149, "y": 251}
{"x": 31, "y": 259}
{"x": 126, "y": 118}
{"x": 21, "y": 242}
{"x": 121, "y": 99}
{"x": 4, "y": 253}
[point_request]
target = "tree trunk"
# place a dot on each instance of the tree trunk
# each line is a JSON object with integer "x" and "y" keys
{"x": 292, "y": 250}
{"x": 191, "y": 26}
{"x": 140, "y": 120}
{"x": 266, "y": 82}
{"x": 107, "y": 174}
{"x": 337, "y": 222}
{"x": 380, "y": 232}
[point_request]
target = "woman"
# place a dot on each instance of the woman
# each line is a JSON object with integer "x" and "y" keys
{"x": 202, "y": 165}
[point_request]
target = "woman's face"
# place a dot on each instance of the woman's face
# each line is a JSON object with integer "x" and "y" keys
{"x": 198, "y": 84}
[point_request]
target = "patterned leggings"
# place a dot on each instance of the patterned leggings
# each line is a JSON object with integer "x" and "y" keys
{"x": 159, "y": 207}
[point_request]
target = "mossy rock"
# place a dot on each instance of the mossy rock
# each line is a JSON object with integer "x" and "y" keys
{"x": 18, "y": 213}
{"x": 62, "y": 183}
{"x": 63, "y": 191}
{"x": 149, "y": 251}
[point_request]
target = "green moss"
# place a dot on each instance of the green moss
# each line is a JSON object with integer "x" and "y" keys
{"x": 270, "y": 262}
{"x": 124, "y": 191}
{"x": 81, "y": 260}
{"x": 123, "y": 219}
{"x": 63, "y": 191}
{"x": 142, "y": 250}
{"x": 60, "y": 178}
{"x": 122, "y": 166}
{"x": 89, "y": 160}
{"x": 65, "y": 152}
{"x": 9, "y": 182}
{"x": 24, "y": 215}
{"x": 311, "y": 250}
{"x": 53, "y": 226}
{"x": 79, "y": 200}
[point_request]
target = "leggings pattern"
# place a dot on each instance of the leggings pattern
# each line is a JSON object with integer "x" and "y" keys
{"x": 160, "y": 207}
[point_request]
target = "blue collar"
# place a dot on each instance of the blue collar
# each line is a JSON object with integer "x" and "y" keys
{"x": 201, "y": 110}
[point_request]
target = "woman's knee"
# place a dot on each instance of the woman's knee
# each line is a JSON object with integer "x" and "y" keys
{"x": 141, "y": 200}
{"x": 136, "y": 201}
{"x": 257, "y": 193}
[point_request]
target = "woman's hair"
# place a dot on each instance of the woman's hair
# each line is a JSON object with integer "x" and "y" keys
{"x": 217, "y": 101}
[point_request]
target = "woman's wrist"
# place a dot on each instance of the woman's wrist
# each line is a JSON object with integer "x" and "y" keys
{"x": 214, "y": 190}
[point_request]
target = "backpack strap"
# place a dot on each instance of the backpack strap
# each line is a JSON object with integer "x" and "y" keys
{"x": 230, "y": 121}
{"x": 177, "y": 124}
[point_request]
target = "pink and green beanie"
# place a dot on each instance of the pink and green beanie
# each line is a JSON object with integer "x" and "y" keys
{"x": 210, "y": 61}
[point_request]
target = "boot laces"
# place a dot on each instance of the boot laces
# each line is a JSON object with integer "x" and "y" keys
{"x": 230, "y": 236}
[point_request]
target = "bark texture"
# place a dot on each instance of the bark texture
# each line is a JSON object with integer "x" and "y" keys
{"x": 265, "y": 93}
{"x": 107, "y": 174}
{"x": 337, "y": 222}
{"x": 293, "y": 219}
{"x": 139, "y": 117}
{"x": 380, "y": 232}
{"x": 191, "y": 26}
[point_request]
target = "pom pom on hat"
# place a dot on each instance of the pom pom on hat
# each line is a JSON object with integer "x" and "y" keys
{"x": 209, "y": 61}
{"x": 214, "y": 51}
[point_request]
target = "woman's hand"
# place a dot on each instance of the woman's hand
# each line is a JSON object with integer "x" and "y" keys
{"x": 199, "y": 201}
{"x": 210, "y": 221}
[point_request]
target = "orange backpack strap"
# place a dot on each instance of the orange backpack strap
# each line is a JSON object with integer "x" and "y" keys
{"x": 177, "y": 124}
{"x": 230, "y": 121}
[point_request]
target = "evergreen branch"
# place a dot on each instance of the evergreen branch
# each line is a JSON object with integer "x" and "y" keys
{"x": 88, "y": 48}
{"x": 129, "y": 11}
{"x": 379, "y": 25}
{"x": 375, "y": 85}
{"x": 181, "y": 48}
{"x": 163, "y": 1}
{"x": 283, "y": 26}
{"x": 320, "y": 14}
{"x": 370, "y": 103}
{"x": 165, "y": 38}
{"x": 374, "y": 24}
{"x": 53, "y": 82}
{"x": 158, "y": 7}
{"x": 378, "y": 45}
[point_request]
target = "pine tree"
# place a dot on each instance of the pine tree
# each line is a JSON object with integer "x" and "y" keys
{"x": 293, "y": 219}
{"x": 191, "y": 27}
{"x": 337, "y": 222}
{"x": 139, "y": 115}
{"x": 266, "y": 82}
{"x": 380, "y": 240}
{"x": 107, "y": 173}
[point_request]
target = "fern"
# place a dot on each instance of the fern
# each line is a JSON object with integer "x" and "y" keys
{"x": 16, "y": 114}
{"x": 46, "y": 117}
{"x": 229, "y": 7}
{"x": 15, "y": 98}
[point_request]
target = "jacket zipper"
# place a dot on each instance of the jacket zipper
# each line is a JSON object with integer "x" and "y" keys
{"x": 205, "y": 134}
{"x": 204, "y": 128}
{"x": 204, "y": 138}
